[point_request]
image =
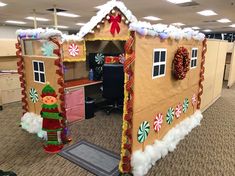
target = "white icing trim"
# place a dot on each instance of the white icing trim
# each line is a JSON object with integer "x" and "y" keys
{"x": 106, "y": 8}
{"x": 141, "y": 162}
{"x": 33, "y": 124}
{"x": 38, "y": 33}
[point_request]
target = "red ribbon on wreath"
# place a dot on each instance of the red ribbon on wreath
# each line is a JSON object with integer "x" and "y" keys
{"x": 114, "y": 20}
{"x": 181, "y": 63}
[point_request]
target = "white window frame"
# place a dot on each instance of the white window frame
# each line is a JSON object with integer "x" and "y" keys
{"x": 35, "y": 71}
{"x": 193, "y": 58}
{"x": 159, "y": 63}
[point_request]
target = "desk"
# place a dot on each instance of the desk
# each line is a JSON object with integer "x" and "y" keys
{"x": 75, "y": 98}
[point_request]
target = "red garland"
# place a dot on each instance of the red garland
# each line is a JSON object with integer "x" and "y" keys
{"x": 181, "y": 63}
{"x": 114, "y": 20}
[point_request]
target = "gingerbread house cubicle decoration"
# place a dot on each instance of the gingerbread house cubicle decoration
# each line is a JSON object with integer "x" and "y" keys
{"x": 163, "y": 69}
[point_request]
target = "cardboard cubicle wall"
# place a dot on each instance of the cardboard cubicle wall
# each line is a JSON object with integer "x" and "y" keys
{"x": 214, "y": 71}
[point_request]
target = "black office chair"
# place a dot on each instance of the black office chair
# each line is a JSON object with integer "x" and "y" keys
{"x": 113, "y": 86}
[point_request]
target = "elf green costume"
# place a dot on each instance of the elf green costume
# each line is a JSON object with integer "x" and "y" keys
{"x": 51, "y": 120}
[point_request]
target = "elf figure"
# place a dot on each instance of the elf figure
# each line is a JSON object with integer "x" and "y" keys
{"x": 51, "y": 120}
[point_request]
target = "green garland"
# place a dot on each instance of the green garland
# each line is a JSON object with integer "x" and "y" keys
{"x": 53, "y": 106}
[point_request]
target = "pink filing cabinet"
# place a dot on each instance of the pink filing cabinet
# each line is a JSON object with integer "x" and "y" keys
{"x": 75, "y": 104}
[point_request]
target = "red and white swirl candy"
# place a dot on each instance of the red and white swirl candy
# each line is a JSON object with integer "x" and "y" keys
{"x": 158, "y": 122}
{"x": 194, "y": 99}
{"x": 178, "y": 110}
{"x": 73, "y": 49}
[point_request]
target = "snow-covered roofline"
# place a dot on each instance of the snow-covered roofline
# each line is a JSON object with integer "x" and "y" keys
{"x": 38, "y": 33}
{"x": 105, "y": 10}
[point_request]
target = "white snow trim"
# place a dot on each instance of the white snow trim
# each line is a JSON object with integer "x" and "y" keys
{"x": 66, "y": 38}
{"x": 141, "y": 162}
{"x": 33, "y": 124}
{"x": 106, "y": 8}
{"x": 165, "y": 31}
{"x": 38, "y": 33}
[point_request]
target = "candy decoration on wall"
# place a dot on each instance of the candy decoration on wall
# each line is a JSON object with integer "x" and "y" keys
{"x": 33, "y": 95}
{"x": 178, "y": 110}
{"x": 73, "y": 49}
{"x": 47, "y": 49}
{"x": 99, "y": 58}
{"x": 143, "y": 131}
{"x": 158, "y": 122}
{"x": 185, "y": 105}
{"x": 181, "y": 63}
{"x": 170, "y": 115}
{"x": 194, "y": 100}
{"x": 114, "y": 20}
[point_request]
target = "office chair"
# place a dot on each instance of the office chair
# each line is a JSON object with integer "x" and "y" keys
{"x": 113, "y": 86}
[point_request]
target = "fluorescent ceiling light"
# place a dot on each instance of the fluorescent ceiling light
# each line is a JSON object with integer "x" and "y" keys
{"x": 207, "y": 30}
{"x": 2, "y": 4}
{"x": 65, "y": 14}
{"x": 177, "y": 24}
{"x": 99, "y": 7}
{"x": 152, "y": 18}
{"x": 62, "y": 27}
{"x": 15, "y": 22}
{"x": 224, "y": 20}
{"x": 37, "y": 18}
{"x": 195, "y": 27}
{"x": 232, "y": 25}
{"x": 179, "y": 1}
{"x": 80, "y": 24}
{"x": 207, "y": 13}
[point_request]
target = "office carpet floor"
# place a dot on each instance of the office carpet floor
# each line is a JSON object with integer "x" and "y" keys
{"x": 208, "y": 150}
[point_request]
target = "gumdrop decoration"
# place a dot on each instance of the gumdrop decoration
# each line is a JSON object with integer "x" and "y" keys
{"x": 170, "y": 115}
{"x": 143, "y": 131}
{"x": 185, "y": 105}
{"x": 73, "y": 49}
{"x": 178, "y": 110}
{"x": 47, "y": 49}
{"x": 99, "y": 58}
{"x": 158, "y": 122}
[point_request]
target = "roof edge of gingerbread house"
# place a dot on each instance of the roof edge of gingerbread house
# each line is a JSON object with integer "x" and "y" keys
{"x": 105, "y": 10}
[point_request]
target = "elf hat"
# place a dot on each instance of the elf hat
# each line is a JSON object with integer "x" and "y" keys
{"x": 48, "y": 91}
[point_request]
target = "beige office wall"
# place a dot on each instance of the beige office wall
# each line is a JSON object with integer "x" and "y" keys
{"x": 231, "y": 78}
{"x": 214, "y": 70}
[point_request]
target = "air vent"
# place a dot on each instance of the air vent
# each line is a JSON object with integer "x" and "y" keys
{"x": 57, "y": 10}
{"x": 188, "y": 4}
{"x": 209, "y": 21}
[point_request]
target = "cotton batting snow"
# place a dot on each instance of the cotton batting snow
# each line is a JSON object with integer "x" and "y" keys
{"x": 142, "y": 161}
{"x": 33, "y": 124}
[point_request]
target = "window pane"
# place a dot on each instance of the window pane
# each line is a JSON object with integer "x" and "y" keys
{"x": 192, "y": 53}
{"x": 191, "y": 63}
{"x": 41, "y": 68}
{"x": 36, "y": 76}
{"x": 162, "y": 69}
{"x": 156, "y": 56}
{"x": 156, "y": 70}
{"x": 195, "y": 53}
{"x": 35, "y": 66}
{"x": 195, "y": 62}
{"x": 163, "y": 56}
{"x": 42, "y": 77}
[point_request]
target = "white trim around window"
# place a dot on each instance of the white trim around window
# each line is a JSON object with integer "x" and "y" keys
{"x": 159, "y": 62}
{"x": 194, "y": 56}
{"x": 39, "y": 75}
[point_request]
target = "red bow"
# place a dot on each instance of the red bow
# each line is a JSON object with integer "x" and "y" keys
{"x": 115, "y": 26}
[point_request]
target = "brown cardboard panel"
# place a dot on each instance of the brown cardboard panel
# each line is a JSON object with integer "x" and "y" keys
{"x": 81, "y": 51}
{"x": 103, "y": 33}
{"x": 51, "y": 77}
{"x": 154, "y": 96}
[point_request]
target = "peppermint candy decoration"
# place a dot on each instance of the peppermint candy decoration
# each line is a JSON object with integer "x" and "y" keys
{"x": 143, "y": 131}
{"x": 73, "y": 50}
{"x": 194, "y": 99}
{"x": 170, "y": 115}
{"x": 33, "y": 94}
{"x": 99, "y": 58}
{"x": 185, "y": 105}
{"x": 178, "y": 110}
{"x": 158, "y": 122}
